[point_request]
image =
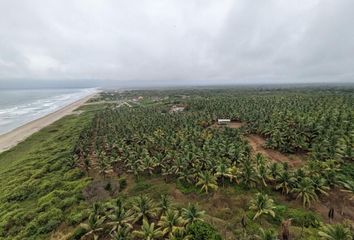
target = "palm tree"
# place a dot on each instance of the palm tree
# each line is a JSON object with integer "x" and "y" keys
{"x": 263, "y": 205}
{"x": 207, "y": 182}
{"x": 148, "y": 164}
{"x": 260, "y": 159}
{"x": 306, "y": 191}
{"x": 185, "y": 175}
{"x": 179, "y": 165}
{"x": 121, "y": 233}
{"x": 319, "y": 184}
{"x": 274, "y": 170}
{"x": 180, "y": 235}
{"x": 93, "y": 226}
{"x": 164, "y": 204}
{"x": 349, "y": 187}
{"x": 233, "y": 174}
{"x": 330, "y": 172}
{"x": 97, "y": 209}
{"x": 192, "y": 214}
{"x": 284, "y": 182}
{"x": 248, "y": 175}
{"x": 335, "y": 232}
{"x": 104, "y": 168}
{"x": 262, "y": 172}
{"x": 222, "y": 171}
{"x": 134, "y": 167}
{"x": 285, "y": 166}
{"x": 120, "y": 217}
{"x": 143, "y": 208}
{"x": 148, "y": 231}
{"x": 171, "y": 222}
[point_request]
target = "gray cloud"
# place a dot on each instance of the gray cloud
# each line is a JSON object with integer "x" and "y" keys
{"x": 194, "y": 41}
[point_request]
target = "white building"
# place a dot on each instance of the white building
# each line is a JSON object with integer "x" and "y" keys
{"x": 223, "y": 121}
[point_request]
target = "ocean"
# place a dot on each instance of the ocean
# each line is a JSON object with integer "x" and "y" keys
{"x": 18, "y": 107}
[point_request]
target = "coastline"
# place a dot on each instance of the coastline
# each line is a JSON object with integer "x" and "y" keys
{"x": 12, "y": 138}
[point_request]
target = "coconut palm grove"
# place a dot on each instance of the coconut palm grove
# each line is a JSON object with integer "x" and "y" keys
{"x": 217, "y": 163}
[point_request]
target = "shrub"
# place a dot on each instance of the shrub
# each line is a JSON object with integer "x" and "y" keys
{"x": 52, "y": 197}
{"x": 55, "y": 166}
{"x": 141, "y": 186}
{"x": 280, "y": 211}
{"x": 77, "y": 234}
{"x": 77, "y": 217}
{"x": 68, "y": 202}
{"x": 31, "y": 229}
{"x": 20, "y": 193}
{"x": 52, "y": 214}
{"x": 49, "y": 226}
{"x": 108, "y": 187}
{"x": 304, "y": 219}
{"x": 73, "y": 174}
{"x": 186, "y": 188}
{"x": 201, "y": 231}
{"x": 122, "y": 184}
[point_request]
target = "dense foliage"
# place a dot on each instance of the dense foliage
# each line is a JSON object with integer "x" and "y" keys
{"x": 317, "y": 121}
{"x": 40, "y": 186}
{"x": 143, "y": 218}
{"x": 149, "y": 137}
{"x": 148, "y": 143}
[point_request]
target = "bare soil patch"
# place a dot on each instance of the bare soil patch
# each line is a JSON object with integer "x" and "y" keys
{"x": 340, "y": 201}
{"x": 233, "y": 124}
{"x": 258, "y": 145}
{"x": 336, "y": 199}
{"x": 100, "y": 190}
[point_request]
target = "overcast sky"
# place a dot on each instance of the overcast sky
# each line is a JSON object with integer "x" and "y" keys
{"x": 177, "y": 41}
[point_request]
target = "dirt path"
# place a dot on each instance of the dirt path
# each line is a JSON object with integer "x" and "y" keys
{"x": 257, "y": 143}
{"x": 258, "y": 146}
{"x": 236, "y": 124}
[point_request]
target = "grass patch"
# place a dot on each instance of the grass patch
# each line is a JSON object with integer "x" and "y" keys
{"x": 187, "y": 188}
{"x": 141, "y": 187}
{"x": 40, "y": 187}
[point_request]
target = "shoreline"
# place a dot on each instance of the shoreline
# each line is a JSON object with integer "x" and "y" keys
{"x": 12, "y": 138}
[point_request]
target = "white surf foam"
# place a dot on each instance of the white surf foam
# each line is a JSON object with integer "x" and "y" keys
{"x": 15, "y": 116}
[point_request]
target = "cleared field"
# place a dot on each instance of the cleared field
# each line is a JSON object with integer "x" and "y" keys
{"x": 258, "y": 145}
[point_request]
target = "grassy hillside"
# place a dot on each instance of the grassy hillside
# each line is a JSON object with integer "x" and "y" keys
{"x": 40, "y": 187}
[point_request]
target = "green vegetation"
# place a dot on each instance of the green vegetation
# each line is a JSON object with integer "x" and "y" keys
{"x": 143, "y": 218}
{"x": 335, "y": 232}
{"x": 155, "y": 165}
{"x": 262, "y": 205}
{"x": 40, "y": 187}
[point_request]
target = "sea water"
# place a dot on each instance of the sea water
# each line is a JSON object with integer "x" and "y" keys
{"x": 18, "y": 106}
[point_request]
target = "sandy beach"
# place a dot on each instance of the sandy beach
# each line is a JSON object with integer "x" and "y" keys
{"x": 11, "y": 139}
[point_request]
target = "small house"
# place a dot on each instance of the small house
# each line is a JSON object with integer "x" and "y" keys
{"x": 223, "y": 121}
